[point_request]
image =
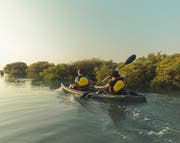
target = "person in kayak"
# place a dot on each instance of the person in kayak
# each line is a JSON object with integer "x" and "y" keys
{"x": 115, "y": 86}
{"x": 82, "y": 81}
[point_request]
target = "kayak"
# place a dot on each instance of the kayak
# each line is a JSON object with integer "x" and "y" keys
{"x": 106, "y": 97}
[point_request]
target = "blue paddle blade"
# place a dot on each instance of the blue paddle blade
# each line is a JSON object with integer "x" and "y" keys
{"x": 130, "y": 59}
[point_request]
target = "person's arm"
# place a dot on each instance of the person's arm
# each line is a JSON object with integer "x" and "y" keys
{"x": 76, "y": 79}
{"x": 89, "y": 79}
{"x": 102, "y": 87}
{"x": 122, "y": 75}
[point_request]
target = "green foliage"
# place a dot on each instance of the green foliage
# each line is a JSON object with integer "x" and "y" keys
{"x": 155, "y": 71}
{"x": 140, "y": 73}
{"x": 34, "y": 70}
{"x": 87, "y": 65}
{"x": 1, "y": 72}
{"x": 102, "y": 72}
{"x": 57, "y": 72}
{"x": 168, "y": 73}
{"x": 16, "y": 69}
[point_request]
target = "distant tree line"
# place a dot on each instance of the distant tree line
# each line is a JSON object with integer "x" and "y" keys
{"x": 1, "y": 72}
{"x": 156, "y": 71}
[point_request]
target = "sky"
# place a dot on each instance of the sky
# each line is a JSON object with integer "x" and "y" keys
{"x": 63, "y": 31}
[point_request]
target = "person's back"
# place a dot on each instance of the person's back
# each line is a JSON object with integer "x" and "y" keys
{"x": 82, "y": 81}
{"x": 115, "y": 86}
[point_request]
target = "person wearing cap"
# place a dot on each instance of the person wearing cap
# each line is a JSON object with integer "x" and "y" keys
{"x": 82, "y": 81}
{"x": 115, "y": 86}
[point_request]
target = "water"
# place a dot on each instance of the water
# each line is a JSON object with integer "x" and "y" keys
{"x": 34, "y": 113}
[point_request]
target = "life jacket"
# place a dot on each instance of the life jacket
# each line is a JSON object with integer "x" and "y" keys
{"x": 83, "y": 81}
{"x": 118, "y": 85}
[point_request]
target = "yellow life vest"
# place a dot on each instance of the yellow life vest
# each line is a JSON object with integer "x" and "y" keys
{"x": 118, "y": 86}
{"x": 83, "y": 81}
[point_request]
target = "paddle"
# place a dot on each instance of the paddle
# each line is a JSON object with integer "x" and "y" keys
{"x": 128, "y": 61}
{"x": 84, "y": 95}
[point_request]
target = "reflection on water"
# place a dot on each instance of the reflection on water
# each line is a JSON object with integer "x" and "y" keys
{"x": 117, "y": 112}
{"x": 36, "y": 83}
{"x": 31, "y": 112}
{"x": 16, "y": 82}
{"x": 50, "y": 84}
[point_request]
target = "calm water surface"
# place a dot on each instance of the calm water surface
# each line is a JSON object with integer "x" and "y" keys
{"x": 33, "y": 113}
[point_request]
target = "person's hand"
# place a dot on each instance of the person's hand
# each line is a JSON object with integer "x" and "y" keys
{"x": 123, "y": 75}
{"x": 95, "y": 86}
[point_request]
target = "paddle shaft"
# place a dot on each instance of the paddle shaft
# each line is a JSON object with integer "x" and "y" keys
{"x": 109, "y": 75}
{"x": 128, "y": 61}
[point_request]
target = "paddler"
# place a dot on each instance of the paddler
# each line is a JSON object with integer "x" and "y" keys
{"x": 115, "y": 86}
{"x": 82, "y": 81}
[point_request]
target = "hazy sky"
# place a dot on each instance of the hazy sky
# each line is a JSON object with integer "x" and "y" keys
{"x": 68, "y": 30}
